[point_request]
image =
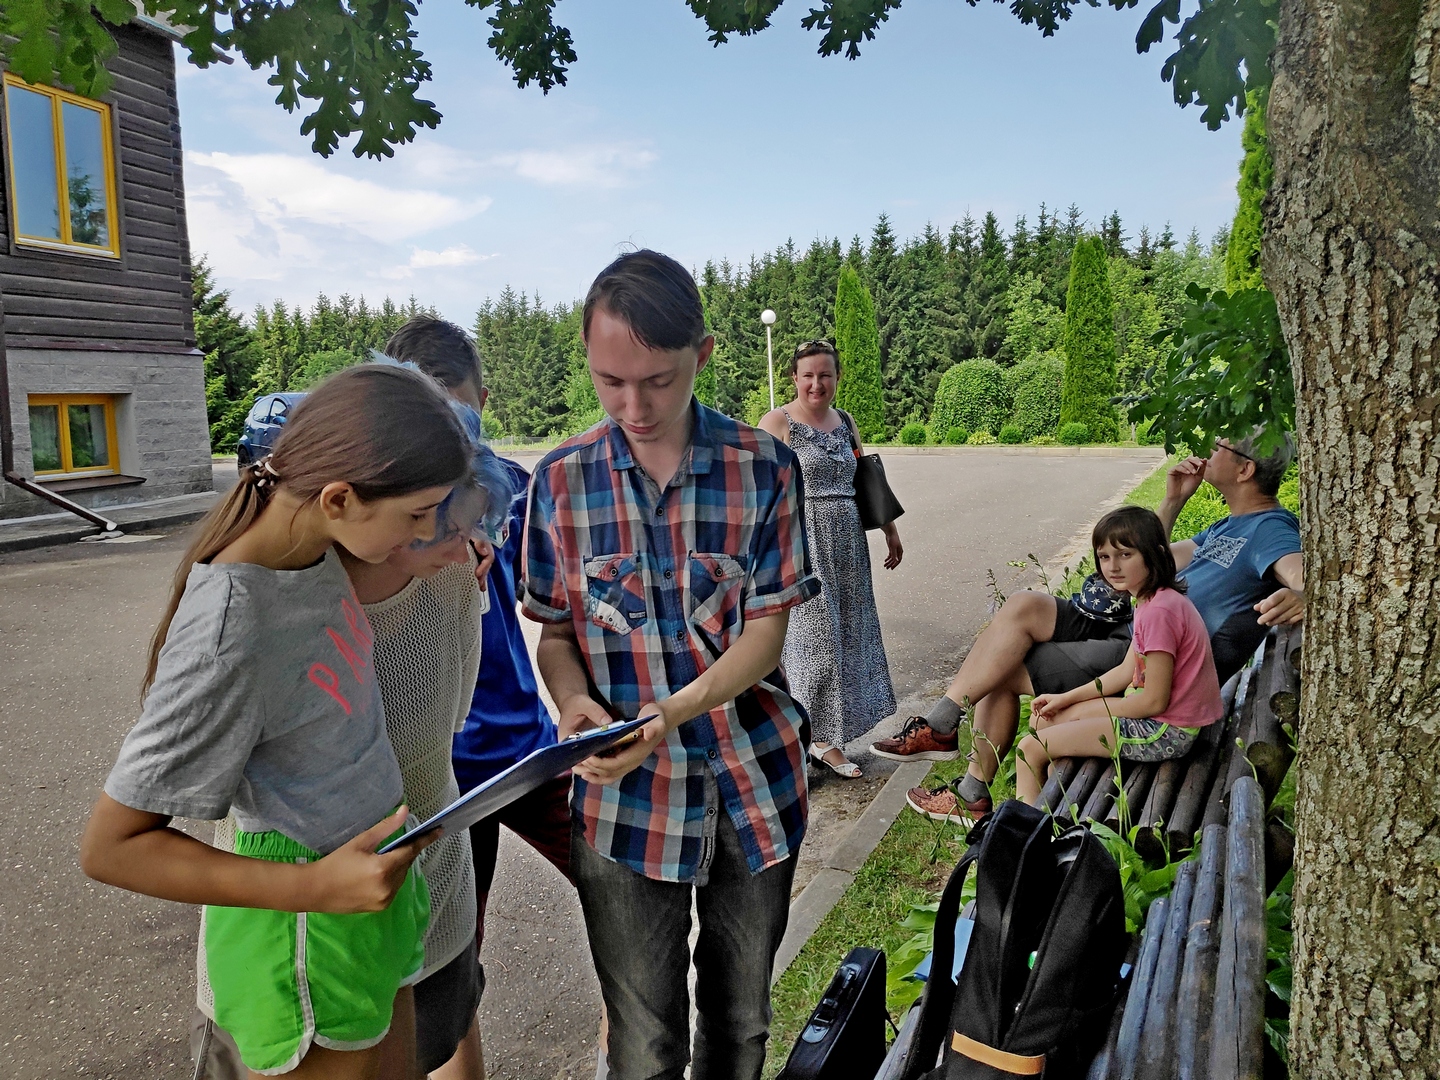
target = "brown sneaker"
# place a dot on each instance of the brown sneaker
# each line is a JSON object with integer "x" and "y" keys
{"x": 918, "y": 741}
{"x": 944, "y": 805}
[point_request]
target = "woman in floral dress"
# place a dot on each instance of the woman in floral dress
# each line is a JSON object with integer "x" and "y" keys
{"x": 834, "y": 657}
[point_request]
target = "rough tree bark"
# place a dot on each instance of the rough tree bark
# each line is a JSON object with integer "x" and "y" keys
{"x": 1352, "y": 238}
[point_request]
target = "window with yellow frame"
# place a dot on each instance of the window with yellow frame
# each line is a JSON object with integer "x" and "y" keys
{"x": 61, "y": 163}
{"x": 73, "y": 433}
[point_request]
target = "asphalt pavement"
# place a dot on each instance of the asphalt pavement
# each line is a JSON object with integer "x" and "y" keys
{"x": 99, "y": 983}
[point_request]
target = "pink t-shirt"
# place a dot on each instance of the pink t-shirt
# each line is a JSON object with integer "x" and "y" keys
{"x": 1169, "y": 623}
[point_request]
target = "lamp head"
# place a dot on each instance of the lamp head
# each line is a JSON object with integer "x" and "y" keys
{"x": 767, "y": 317}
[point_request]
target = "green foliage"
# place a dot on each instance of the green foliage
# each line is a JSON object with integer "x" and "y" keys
{"x": 489, "y": 425}
{"x": 317, "y": 366}
{"x": 1242, "y": 258}
{"x": 1201, "y": 510}
{"x": 1073, "y": 434}
{"x": 1147, "y": 434}
{"x": 1279, "y": 969}
{"x": 1289, "y": 495}
{"x": 532, "y": 357}
{"x": 980, "y": 438}
{"x": 913, "y": 434}
{"x": 1033, "y": 325}
{"x": 1011, "y": 435}
{"x": 1089, "y": 342}
{"x": 1035, "y": 387}
{"x": 357, "y": 61}
{"x": 1226, "y": 373}
{"x": 971, "y": 395}
{"x": 706, "y": 385}
{"x": 957, "y": 436}
{"x": 231, "y": 357}
{"x": 857, "y": 337}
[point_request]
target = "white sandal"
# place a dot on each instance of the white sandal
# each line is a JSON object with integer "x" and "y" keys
{"x": 845, "y": 768}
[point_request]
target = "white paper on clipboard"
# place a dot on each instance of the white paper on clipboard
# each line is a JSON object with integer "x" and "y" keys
{"x": 519, "y": 779}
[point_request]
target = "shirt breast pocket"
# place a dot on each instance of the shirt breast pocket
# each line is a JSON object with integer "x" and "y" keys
{"x": 717, "y": 586}
{"x": 615, "y": 595}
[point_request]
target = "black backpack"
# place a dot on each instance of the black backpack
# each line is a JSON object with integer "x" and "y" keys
{"x": 1041, "y": 974}
{"x": 845, "y": 1036}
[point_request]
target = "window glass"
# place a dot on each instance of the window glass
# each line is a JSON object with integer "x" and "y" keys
{"x": 45, "y": 437}
{"x": 85, "y": 170}
{"x": 277, "y": 414}
{"x": 32, "y": 142}
{"x": 89, "y": 440}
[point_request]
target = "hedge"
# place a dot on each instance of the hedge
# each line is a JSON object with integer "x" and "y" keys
{"x": 1035, "y": 385}
{"x": 971, "y": 395}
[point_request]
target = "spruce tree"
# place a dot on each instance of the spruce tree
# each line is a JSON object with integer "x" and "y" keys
{"x": 857, "y": 337}
{"x": 1242, "y": 254}
{"x": 1089, "y": 343}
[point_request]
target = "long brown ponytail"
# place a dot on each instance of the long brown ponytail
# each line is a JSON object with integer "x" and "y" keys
{"x": 384, "y": 429}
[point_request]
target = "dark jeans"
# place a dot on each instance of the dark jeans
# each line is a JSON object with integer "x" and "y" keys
{"x": 639, "y": 930}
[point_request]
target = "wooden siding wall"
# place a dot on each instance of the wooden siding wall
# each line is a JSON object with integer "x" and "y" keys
{"x": 142, "y": 302}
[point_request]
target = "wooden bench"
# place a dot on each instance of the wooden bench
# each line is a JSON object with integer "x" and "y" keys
{"x": 1195, "y": 1004}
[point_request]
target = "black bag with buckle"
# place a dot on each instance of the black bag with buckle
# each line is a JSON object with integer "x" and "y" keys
{"x": 845, "y": 1036}
{"x": 1042, "y": 970}
{"x": 877, "y": 504}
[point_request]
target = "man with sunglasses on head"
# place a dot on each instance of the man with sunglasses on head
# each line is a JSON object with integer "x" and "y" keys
{"x": 1245, "y": 576}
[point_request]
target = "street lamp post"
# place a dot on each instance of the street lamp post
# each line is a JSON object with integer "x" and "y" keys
{"x": 768, "y": 318}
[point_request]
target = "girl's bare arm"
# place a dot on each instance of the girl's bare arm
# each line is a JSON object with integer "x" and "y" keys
{"x": 139, "y": 851}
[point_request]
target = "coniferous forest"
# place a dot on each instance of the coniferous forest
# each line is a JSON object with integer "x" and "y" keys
{"x": 974, "y": 292}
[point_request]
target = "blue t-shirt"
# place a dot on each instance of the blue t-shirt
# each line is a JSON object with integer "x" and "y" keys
{"x": 1232, "y": 557}
{"x": 507, "y": 718}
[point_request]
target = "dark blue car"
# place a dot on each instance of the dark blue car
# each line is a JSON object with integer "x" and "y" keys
{"x": 263, "y": 427}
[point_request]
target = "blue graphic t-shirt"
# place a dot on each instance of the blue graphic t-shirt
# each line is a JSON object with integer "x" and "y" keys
{"x": 1232, "y": 557}
{"x": 507, "y": 718}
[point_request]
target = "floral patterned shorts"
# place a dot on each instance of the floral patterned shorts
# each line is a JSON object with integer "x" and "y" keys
{"x": 1153, "y": 740}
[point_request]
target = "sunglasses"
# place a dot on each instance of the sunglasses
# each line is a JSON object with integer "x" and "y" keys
{"x": 810, "y": 348}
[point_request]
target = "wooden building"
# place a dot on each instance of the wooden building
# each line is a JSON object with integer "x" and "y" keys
{"x": 106, "y": 387}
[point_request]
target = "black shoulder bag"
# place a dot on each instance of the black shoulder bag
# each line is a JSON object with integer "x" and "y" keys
{"x": 877, "y": 504}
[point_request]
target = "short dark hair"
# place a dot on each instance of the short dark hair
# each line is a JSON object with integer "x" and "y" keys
{"x": 654, "y": 295}
{"x": 438, "y": 348}
{"x": 1140, "y": 530}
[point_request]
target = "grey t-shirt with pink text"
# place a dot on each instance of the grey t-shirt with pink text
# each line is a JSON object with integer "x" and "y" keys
{"x": 265, "y": 702}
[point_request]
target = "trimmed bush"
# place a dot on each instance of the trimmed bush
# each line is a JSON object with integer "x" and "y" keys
{"x": 857, "y": 337}
{"x": 1011, "y": 435}
{"x": 1089, "y": 343}
{"x": 1146, "y": 434}
{"x": 980, "y": 438}
{"x": 914, "y": 434}
{"x": 971, "y": 395}
{"x": 1035, "y": 386}
{"x": 1073, "y": 434}
{"x": 1289, "y": 495}
{"x": 957, "y": 436}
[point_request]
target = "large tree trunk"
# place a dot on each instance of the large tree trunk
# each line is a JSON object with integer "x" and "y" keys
{"x": 1352, "y": 238}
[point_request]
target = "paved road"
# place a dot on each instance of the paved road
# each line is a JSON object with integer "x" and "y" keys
{"x": 97, "y": 983}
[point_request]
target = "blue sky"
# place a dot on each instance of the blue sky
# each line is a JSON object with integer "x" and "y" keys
{"x": 664, "y": 141}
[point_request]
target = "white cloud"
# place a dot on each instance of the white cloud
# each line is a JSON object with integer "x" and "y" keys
{"x": 285, "y": 190}
{"x": 423, "y": 259}
{"x": 596, "y": 166}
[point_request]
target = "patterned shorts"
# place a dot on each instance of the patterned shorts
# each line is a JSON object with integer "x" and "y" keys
{"x": 1153, "y": 740}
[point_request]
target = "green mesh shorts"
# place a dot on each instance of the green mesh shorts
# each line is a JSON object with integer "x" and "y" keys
{"x": 283, "y": 981}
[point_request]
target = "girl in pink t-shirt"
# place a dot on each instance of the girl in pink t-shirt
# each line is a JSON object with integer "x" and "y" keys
{"x": 1167, "y": 679}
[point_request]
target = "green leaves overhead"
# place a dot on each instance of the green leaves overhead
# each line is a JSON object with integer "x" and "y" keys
{"x": 1226, "y": 374}
{"x": 356, "y": 60}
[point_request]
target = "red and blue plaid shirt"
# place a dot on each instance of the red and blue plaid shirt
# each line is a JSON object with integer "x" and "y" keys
{"x": 658, "y": 584}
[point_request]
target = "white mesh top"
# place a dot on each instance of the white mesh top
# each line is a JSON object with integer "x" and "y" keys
{"x": 427, "y": 654}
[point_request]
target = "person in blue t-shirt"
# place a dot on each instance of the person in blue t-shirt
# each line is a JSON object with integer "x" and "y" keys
{"x": 507, "y": 717}
{"x": 1245, "y": 576}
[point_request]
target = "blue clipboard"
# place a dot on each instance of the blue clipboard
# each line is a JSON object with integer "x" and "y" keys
{"x": 522, "y": 778}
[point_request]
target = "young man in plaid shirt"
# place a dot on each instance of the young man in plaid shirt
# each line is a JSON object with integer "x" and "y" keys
{"x": 664, "y": 549}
